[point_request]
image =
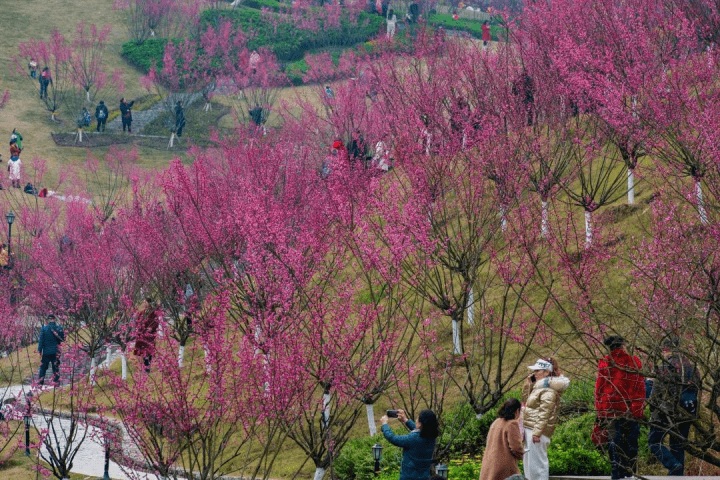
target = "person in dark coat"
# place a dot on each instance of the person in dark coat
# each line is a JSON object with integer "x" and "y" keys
{"x": 147, "y": 324}
{"x": 418, "y": 446}
{"x": 51, "y": 336}
{"x": 45, "y": 80}
{"x": 101, "y": 114}
{"x": 179, "y": 118}
{"x": 126, "y": 112}
{"x": 673, "y": 406}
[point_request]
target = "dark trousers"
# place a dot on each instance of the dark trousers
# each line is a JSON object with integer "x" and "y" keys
{"x": 672, "y": 458}
{"x": 180, "y": 129}
{"x": 127, "y": 122}
{"x": 43, "y": 88}
{"x": 623, "y": 446}
{"x": 101, "y": 123}
{"x": 53, "y": 360}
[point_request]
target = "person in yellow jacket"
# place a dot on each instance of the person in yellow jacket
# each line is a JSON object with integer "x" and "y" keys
{"x": 541, "y": 396}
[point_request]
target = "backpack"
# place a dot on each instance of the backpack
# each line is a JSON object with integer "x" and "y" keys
{"x": 101, "y": 114}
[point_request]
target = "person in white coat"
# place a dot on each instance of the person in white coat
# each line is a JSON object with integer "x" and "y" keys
{"x": 391, "y": 22}
{"x": 541, "y": 395}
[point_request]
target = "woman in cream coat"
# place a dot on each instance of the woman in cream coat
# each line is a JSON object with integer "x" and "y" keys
{"x": 541, "y": 395}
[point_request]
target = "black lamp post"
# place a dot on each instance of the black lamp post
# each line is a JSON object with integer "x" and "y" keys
{"x": 10, "y": 217}
{"x": 442, "y": 470}
{"x": 377, "y": 455}
{"x": 26, "y": 420}
{"x": 106, "y": 474}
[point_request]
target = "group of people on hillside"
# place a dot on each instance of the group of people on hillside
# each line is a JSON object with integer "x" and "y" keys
{"x": 523, "y": 429}
{"x": 84, "y": 118}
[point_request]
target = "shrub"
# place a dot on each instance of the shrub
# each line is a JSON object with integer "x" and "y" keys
{"x": 355, "y": 461}
{"x": 473, "y": 27}
{"x": 272, "y": 5}
{"x": 465, "y": 468}
{"x": 572, "y": 452}
{"x": 464, "y": 432}
{"x": 146, "y": 54}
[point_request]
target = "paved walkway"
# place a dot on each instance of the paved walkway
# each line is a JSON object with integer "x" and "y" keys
{"x": 142, "y": 118}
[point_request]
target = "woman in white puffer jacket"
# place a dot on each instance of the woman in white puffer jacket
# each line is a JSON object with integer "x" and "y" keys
{"x": 541, "y": 396}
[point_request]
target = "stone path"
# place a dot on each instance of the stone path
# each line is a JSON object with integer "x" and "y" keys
{"x": 142, "y": 118}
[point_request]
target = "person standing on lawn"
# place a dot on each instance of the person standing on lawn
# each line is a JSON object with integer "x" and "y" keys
{"x": 101, "y": 114}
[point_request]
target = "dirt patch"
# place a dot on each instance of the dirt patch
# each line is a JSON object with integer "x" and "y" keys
{"x": 95, "y": 140}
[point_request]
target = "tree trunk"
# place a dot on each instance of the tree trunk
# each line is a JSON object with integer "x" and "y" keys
{"x": 588, "y": 229}
{"x": 181, "y": 355}
{"x": 319, "y": 473}
{"x": 208, "y": 106}
{"x": 208, "y": 364}
{"x": 87, "y": 95}
{"x": 93, "y": 371}
{"x": 326, "y": 408}
{"x": 631, "y": 186}
{"x": 172, "y": 140}
{"x": 457, "y": 345}
{"x": 700, "y": 202}
{"x": 503, "y": 219}
{"x": 544, "y": 229}
{"x": 108, "y": 356}
{"x": 123, "y": 362}
{"x": 470, "y": 307}
{"x": 79, "y": 135}
{"x": 371, "y": 419}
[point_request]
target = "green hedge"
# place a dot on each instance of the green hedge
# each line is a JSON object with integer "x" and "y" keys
{"x": 355, "y": 461}
{"x": 571, "y": 451}
{"x": 473, "y": 27}
{"x": 145, "y": 55}
{"x": 289, "y": 42}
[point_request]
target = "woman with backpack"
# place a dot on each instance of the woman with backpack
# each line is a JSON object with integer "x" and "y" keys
{"x": 101, "y": 114}
{"x": 126, "y": 112}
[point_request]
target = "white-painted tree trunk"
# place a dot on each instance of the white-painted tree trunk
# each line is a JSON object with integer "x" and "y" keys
{"x": 181, "y": 355}
{"x": 108, "y": 356}
{"x": 544, "y": 223}
{"x": 208, "y": 106}
{"x": 171, "y": 143}
{"x": 588, "y": 229}
{"x": 631, "y": 186}
{"x": 208, "y": 364}
{"x": 79, "y": 135}
{"x": 700, "y": 202}
{"x": 319, "y": 473}
{"x": 370, "y": 410}
{"x": 93, "y": 371}
{"x": 52, "y": 116}
{"x": 457, "y": 349}
{"x": 326, "y": 409}
{"x": 123, "y": 362}
{"x": 634, "y": 107}
{"x": 503, "y": 220}
{"x": 470, "y": 307}
{"x": 87, "y": 95}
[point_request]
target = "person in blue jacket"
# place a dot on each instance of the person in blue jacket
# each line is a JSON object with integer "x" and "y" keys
{"x": 418, "y": 446}
{"x": 51, "y": 336}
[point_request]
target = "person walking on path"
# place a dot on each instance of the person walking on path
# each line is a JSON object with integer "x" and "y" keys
{"x": 541, "y": 394}
{"x": 126, "y": 112}
{"x": 673, "y": 406}
{"x": 619, "y": 400}
{"x": 147, "y": 324}
{"x": 45, "y": 81}
{"x": 418, "y": 446}
{"x": 101, "y": 114}
{"x": 486, "y": 35}
{"x": 179, "y": 118}
{"x": 504, "y": 444}
{"x": 14, "y": 164}
{"x": 391, "y": 20}
{"x": 51, "y": 336}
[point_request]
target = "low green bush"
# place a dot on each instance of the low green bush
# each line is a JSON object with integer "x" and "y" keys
{"x": 465, "y": 468}
{"x": 571, "y": 451}
{"x": 473, "y": 27}
{"x": 464, "y": 432}
{"x": 146, "y": 54}
{"x": 355, "y": 461}
{"x": 272, "y": 5}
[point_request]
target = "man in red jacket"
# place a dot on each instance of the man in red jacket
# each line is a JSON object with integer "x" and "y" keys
{"x": 619, "y": 399}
